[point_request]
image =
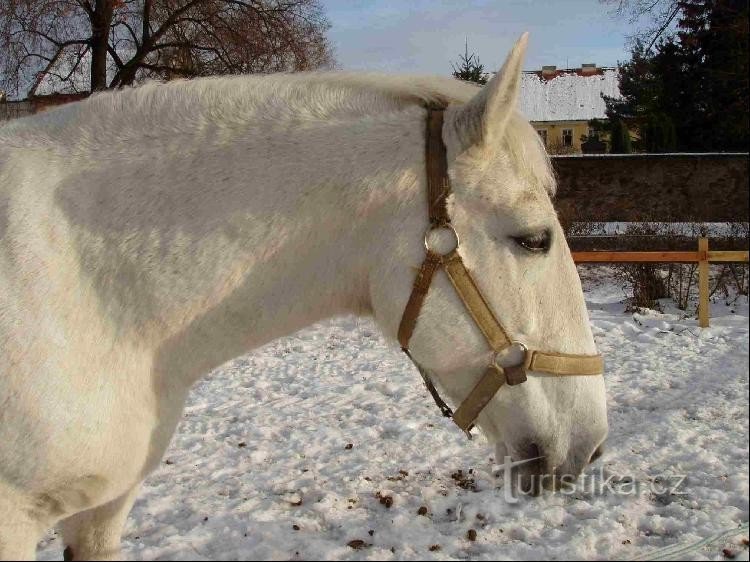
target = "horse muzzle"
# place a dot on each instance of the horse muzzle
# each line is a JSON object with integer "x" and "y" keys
{"x": 533, "y": 467}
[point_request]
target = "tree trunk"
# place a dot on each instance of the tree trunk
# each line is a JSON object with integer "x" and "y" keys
{"x": 101, "y": 20}
{"x": 126, "y": 75}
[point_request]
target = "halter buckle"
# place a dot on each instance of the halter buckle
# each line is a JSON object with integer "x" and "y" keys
{"x": 515, "y": 373}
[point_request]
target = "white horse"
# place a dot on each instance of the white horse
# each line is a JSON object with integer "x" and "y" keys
{"x": 149, "y": 235}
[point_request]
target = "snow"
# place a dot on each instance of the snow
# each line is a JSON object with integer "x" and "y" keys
{"x": 290, "y": 453}
{"x": 658, "y": 229}
{"x": 568, "y": 96}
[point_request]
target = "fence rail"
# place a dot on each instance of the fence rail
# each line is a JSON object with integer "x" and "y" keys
{"x": 664, "y": 257}
{"x": 703, "y": 257}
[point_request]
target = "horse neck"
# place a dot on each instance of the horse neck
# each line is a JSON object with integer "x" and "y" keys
{"x": 304, "y": 245}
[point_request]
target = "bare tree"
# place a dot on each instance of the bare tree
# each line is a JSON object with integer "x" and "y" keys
{"x": 653, "y": 18}
{"x": 88, "y": 45}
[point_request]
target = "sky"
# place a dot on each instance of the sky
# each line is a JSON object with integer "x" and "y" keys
{"x": 425, "y": 36}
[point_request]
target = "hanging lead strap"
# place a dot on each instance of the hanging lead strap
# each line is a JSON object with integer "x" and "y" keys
{"x": 444, "y": 408}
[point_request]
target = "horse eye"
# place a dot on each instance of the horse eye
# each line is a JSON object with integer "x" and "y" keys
{"x": 538, "y": 242}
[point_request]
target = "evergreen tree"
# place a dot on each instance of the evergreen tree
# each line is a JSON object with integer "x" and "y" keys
{"x": 469, "y": 68}
{"x": 658, "y": 134}
{"x": 619, "y": 138}
{"x": 690, "y": 93}
{"x": 593, "y": 143}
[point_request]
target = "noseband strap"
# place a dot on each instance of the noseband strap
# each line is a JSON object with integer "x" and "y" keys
{"x": 495, "y": 376}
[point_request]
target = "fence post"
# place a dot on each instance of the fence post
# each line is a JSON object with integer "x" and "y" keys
{"x": 703, "y": 270}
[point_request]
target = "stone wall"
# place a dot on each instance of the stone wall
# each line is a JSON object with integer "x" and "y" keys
{"x": 652, "y": 187}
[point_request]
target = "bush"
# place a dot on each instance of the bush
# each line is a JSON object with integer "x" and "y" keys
{"x": 645, "y": 284}
{"x": 619, "y": 139}
{"x": 658, "y": 134}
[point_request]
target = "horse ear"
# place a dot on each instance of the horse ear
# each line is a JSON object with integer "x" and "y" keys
{"x": 483, "y": 119}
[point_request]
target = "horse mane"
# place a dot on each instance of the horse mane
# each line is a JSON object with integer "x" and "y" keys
{"x": 182, "y": 106}
{"x": 230, "y": 105}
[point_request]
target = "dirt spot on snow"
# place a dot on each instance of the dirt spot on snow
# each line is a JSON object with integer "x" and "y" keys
{"x": 385, "y": 500}
{"x": 357, "y": 544}
{"x": 465, "y": 481}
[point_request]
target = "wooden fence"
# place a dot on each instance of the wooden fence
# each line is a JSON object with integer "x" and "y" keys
{"x": 664, "y": 188}
{"x": 703, "y": 256}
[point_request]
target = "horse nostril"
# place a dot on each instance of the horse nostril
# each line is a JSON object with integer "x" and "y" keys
{"x": 534, "y": 451}
{"x": 597, "y": 453}
{"x": 530, "y": 468}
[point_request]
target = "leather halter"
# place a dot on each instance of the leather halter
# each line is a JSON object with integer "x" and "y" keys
{"x": 496, "y": 375}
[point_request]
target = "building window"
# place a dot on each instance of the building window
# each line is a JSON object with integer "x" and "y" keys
{"x": 543, "y": 135}
{"x": 567, "y": 137}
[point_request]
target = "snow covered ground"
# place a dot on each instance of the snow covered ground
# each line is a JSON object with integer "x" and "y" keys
{"x": 325, "y": 445}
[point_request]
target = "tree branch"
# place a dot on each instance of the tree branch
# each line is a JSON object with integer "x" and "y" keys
{"x": 663, "y": 27}
{"x": 115, "y": 57}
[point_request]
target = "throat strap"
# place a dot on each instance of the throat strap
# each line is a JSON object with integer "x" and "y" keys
{"x": 492, "y": 381}
{"x": 422, "y": 284}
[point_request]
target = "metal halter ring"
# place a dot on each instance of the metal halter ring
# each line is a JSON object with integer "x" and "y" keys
{"x": 503, "y": 352}
{"x": 446, "y": 226}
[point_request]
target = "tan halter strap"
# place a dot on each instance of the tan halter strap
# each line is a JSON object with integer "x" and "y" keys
{"x": 496, "y": 375}
{"x": 436, "y": 160}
